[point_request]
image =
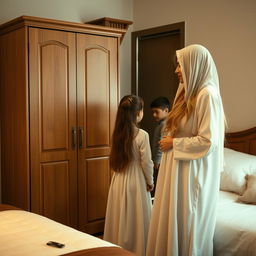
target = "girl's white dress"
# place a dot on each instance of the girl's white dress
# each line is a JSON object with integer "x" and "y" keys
{"x": 129, "y": 203}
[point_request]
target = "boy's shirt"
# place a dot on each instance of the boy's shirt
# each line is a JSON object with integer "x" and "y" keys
{"x": 156, "y": 152}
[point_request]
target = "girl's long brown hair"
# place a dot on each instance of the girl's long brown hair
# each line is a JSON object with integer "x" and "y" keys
{"x": 124, "y": 132}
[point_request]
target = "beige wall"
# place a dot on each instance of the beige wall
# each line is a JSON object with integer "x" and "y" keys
{"x": 228, "y": 29}
{"x": 78, "y": 11}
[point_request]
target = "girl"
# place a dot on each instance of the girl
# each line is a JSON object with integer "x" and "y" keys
{"x": 129, "y": 202}
{"x": 184, "y": 211}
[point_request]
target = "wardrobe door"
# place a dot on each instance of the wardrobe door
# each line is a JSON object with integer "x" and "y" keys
{"x": 52, "y": 76}
{"x": 97, "y": 85}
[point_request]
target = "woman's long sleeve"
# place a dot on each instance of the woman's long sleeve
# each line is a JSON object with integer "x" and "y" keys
{"x": 146, "y": 161}
{"x": 198, "y": 146}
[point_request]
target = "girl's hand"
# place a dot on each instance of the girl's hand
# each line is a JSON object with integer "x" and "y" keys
{"x": 166, "y": 143}
{"x": 150, "y": 187}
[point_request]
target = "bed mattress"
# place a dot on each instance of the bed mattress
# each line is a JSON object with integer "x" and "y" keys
{"x": 26, "y": 234}
{"x": 235, "y": 232}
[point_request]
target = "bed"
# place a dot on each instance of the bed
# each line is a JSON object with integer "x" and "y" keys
{"x": 235, "y": 232}
{"x": 24, "y": 233}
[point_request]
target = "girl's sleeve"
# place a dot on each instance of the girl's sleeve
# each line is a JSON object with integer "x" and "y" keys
{"x": 206, "y": 139}
{"x": 146, "y": 162}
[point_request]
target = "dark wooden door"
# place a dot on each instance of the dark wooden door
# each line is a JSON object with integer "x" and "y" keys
{"x": 52, "y": 83}
{"x": 97, "y": 97}
{"x": 154, "y": 66}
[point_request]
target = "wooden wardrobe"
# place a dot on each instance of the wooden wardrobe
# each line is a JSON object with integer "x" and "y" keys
{"x": 59, "y": 95}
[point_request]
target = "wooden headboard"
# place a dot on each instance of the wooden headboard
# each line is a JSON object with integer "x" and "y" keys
{"x": 243, "y": 141}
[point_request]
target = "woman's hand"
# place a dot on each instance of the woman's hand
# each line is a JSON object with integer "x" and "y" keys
{"x": 166, "y": 143}
{"x": 150, "y": 187}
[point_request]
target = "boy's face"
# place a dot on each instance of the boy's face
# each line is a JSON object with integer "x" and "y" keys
{"x": 159, "y": 114}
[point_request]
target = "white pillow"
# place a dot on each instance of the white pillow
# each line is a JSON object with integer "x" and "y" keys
{"x": 237, "y": 166}
{"x": 249, "y": 195}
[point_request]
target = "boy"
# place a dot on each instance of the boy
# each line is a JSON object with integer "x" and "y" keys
{"x": 160, "y": 108}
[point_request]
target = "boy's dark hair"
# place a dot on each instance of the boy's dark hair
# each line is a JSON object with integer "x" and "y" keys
{"x": 161, "y": 102}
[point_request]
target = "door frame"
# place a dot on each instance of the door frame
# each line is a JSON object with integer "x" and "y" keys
{"x": 137, "y": 36}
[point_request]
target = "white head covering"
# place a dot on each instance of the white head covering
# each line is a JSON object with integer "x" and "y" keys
{"x": 198, "y": 70}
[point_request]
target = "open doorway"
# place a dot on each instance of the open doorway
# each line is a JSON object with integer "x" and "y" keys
{"x": 153, "y": 65}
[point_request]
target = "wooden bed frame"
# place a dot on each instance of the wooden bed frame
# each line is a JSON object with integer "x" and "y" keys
{"x": 243, "y": 141}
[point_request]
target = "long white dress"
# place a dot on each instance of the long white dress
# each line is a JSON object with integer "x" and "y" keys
{"x": 184, "y": 210}
{"x": 129, "y": 203}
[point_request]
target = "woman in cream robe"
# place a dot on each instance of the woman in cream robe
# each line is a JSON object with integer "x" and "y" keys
{"x": 184, "y": 210}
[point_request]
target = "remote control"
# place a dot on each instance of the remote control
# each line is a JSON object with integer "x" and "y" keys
{"x": 55, "y": 244}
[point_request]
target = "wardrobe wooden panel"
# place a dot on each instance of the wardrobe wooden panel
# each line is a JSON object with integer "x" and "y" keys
{"x": 52, "y": 59}
{"x": 97, "y": 61}
{"x": 97, "y": 189}
{"x": 54, "y": 95}
{"x": 14, "y": 119}
{"x": 94, "y": 185}
{"x": 55, "y": 191}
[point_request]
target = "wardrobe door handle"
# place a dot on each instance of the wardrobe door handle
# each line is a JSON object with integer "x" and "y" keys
{"x": 81, "y": 137}
{"x": 74, "y": 138}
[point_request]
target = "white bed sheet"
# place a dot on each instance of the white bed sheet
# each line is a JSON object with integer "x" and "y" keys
{"x": 24, "y": 233}
{"x": 235, "y": 232}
